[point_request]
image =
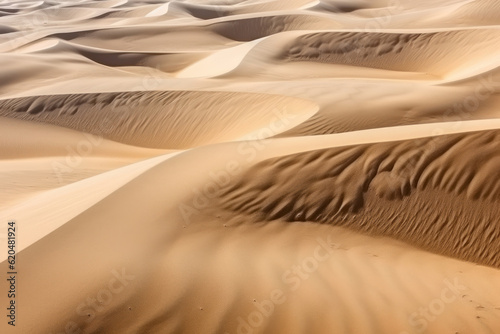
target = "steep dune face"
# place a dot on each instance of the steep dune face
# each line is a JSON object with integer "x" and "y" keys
{"x": 164, "y": 119}
{"x": 346, "y": 6}
{"x": 421, "y": 52}
{"x": 438, "y": 193}
{"x": 248, "y": 167}
{"x": 257, "y": 27}
{"x": 485, "y": 11}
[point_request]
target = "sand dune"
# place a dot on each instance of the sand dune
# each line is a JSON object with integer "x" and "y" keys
{"x": 485, "y": 11}
{"x": 396, "y": 184}
{"x": 248, "y": 29}
{"x": 222, "y": 268}
{"x": 37, "y": 157}
{"x": 393, "y": 51}
{"x": 163, "y": 119}
{"x": 51, "y": 209}
{"x": 257, "y": 166}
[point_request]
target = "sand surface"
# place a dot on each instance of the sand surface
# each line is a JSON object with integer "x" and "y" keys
{"x": 245, "y": 167}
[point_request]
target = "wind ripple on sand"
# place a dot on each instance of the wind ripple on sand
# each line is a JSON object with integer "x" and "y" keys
{"x": 439, "y": 193}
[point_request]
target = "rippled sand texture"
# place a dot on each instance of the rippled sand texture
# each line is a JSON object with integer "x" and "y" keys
{"x": 259, "y": 166}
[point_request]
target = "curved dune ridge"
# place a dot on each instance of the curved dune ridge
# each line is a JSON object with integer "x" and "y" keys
{"x": 173, "y": 119}
{"x": 169, "y": 62}
{"x": 251, "y": 166}
{"x": 417, "y": 52}
{"x": 210, "y": 287}
{"x": 33, "y": 159}
{"x": 148, "y": 39}
{"x": 202, "y": 10}
{"x": 248, "y": 29}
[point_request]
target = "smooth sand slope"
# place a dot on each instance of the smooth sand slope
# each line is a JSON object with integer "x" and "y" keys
{"x": 260, "y": 166}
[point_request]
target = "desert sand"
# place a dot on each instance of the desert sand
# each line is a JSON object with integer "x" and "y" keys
{"x": 244, "y": 167}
